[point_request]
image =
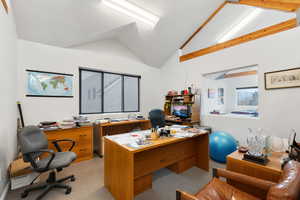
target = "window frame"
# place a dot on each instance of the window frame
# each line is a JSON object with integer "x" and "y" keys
{"x": 242, "y": 106}
{"x": 102, "y": 72}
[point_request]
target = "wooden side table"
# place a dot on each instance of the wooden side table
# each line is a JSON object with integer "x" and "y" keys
{"x": 271, "y": 172}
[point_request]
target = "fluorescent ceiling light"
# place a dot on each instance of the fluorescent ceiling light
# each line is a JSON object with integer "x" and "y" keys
{"x": 132, "y": 10}
{"x": 236, "y": 28}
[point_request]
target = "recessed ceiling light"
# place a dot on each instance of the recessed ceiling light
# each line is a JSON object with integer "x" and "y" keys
{"x": 132, "y": 10}
{"x": 240, "y": 25}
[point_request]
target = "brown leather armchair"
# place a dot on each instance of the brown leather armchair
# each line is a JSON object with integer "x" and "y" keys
{"x": 288, "y": 187}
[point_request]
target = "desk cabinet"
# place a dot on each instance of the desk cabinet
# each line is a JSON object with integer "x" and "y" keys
{"x": 83, "y": 137}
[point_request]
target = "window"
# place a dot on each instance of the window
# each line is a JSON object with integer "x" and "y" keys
{"x": 247, "y": 96}
{"x": 112, "y": 93}
{"x": 105, "y": 92}
{"x": 232, "y": 93}
{"x": 131, "y": 93}
{"x": 90, "y": 92}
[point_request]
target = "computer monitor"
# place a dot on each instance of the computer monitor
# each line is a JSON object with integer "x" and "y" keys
{"x": 182, "y": 111}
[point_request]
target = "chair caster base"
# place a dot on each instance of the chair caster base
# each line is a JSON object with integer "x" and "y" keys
{"x": 68, "y": 191}
{"x": 50, "y": 184}
{"x": 24, "y": 195}
{"x": 73, "y": 179}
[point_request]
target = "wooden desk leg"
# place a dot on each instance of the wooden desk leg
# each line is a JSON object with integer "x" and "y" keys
{"x": 100, "y": 141}
{"x": 118, "y": 171}
{"x": 203, "y": 152}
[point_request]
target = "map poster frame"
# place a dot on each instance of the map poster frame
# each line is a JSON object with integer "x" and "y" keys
{"x": 71, "y": 76}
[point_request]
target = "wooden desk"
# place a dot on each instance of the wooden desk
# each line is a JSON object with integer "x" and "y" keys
{"x": 271, "y": 172}
{"x": 114, "y": 128}
{"x": 128, "y": 172}
{"x": 83, "y": 137}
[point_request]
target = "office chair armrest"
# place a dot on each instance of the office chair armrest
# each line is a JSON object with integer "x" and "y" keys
{"x": 245, "y": 179}
{"x": 56, "y": 144}
{"x": 180, "y": 195}
{"x": 34, "y": 163}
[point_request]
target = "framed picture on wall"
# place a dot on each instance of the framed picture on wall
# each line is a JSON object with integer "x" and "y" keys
{"x": 211, "y": 93}
{"x": 289, "y": 78}
{"x": 49, "y": 84}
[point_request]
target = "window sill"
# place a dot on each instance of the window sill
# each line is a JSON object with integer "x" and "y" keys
{"x": 230, "y": 115}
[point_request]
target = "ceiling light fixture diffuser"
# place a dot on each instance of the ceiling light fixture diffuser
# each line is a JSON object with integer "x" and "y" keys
{"x": 236, "y": 28}
{"x": 132, "y": 10}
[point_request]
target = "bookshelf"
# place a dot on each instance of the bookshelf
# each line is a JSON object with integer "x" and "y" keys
{"x": 190, "y": 100}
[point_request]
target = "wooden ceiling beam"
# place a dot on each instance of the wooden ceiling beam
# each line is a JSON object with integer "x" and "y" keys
{"x": 5, "y": 5}
{"x": 271, "y": 4}
{"x": 285, "y": 1}
{"x": 243, "y": 39}
{"x": 239, "y": 74}
{"x": 204, "y": 24}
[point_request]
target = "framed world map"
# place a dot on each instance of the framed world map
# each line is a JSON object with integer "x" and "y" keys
{"x": 49, "y": 84}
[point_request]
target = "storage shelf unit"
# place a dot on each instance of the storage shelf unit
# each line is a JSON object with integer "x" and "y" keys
{"x": 190, "y": 100}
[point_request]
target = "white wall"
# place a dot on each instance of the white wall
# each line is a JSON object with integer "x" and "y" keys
{"x": 117, "y": 58}
{"x": 279, "y": 109}
{"x": 8, "y": 87}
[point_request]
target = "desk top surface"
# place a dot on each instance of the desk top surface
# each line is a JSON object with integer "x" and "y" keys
{"x": 67, "y": 129}
{"x": 124, "y": 122}
{"x": 126, "y": 140}
{"x": 274, "y": 163}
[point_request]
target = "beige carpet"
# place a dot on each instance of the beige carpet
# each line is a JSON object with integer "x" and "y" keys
{"x": 89, "y": 183}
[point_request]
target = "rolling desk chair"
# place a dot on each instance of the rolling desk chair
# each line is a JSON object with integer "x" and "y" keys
{"x": 157, "y": 118}
{"x": 34, "y": 143}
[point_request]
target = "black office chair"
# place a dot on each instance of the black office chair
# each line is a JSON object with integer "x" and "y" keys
{"x": 34, "y": 143}
{"x": 157, "y": 118}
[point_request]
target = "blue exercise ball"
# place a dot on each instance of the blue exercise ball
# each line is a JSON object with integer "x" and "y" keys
{"x": 221, "y": 144}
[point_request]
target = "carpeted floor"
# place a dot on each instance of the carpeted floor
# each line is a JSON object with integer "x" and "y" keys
{"x": 89, "y": 183}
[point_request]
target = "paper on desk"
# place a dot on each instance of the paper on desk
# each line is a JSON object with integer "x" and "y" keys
{"x": 185, "y": 134}
{"x": 126, "y": 139}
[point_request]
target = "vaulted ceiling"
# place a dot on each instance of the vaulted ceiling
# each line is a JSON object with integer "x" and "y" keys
{"x": 73, "y": 23}
{"x": 69, "y": 23}
{"x": 230, "y": 17}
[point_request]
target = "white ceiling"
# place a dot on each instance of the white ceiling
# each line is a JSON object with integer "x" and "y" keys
{"x": 75, "y": 23}
{"x": 69, "y": 23}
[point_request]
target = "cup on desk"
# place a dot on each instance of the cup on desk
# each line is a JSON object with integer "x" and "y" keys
{"x": 154, "y": 135}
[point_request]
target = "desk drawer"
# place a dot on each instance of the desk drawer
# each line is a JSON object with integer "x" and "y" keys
{"x": 53, "y": 136}
{"x": 85, "y": 138}
{"x": 154, "y": 159}
{"x": 83, "y": 152}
